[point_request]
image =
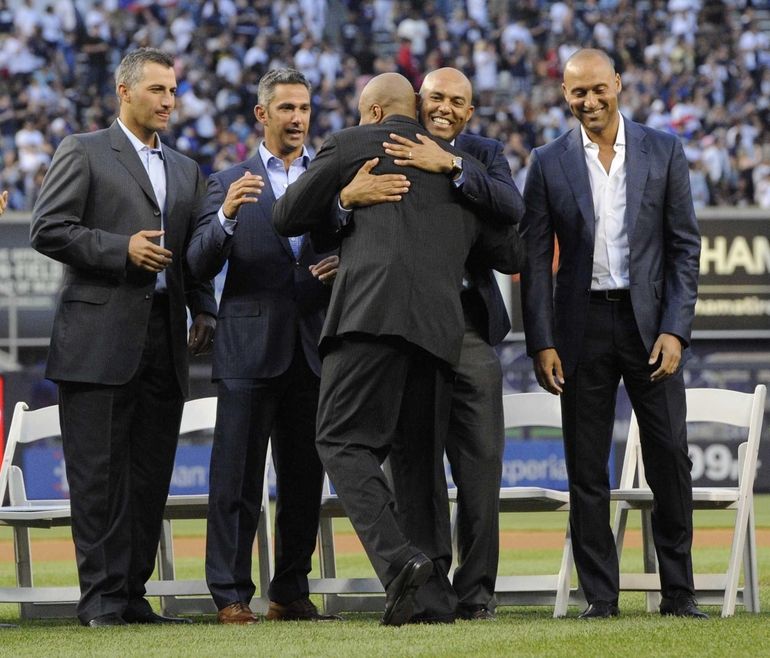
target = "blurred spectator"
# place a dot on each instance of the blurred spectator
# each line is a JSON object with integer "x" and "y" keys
{"x": 697, "y": 68}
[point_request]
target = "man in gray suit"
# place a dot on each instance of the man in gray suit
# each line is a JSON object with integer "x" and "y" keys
{"x": 117, "y": 208}
{"x": 616, "y": 195}
{"x": 393, "y": 330}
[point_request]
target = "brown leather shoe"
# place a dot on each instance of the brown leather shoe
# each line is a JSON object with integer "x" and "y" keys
{"x": 236, "y": 613}
{"x": 300, "y": 610}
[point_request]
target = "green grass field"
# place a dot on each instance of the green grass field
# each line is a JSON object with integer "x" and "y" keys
{"x": 518, "y": 631}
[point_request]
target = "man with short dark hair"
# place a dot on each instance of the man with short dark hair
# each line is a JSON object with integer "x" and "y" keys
{"x": 117, "y": 207}
{"x": 266, "y": 363}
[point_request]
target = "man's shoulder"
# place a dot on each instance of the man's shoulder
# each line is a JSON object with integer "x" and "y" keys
{"x": 642, "y": 131}
{"x": 470, "y": 142}
{"x": 556, "y": 146}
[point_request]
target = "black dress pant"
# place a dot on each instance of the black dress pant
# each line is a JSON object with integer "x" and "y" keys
{"x": 119, "y": 445}
{"x": 613, "y": 348}
{"x": 249, "y": 412}
{"x": 376, "y": 392}
{"x": 474, "y": 447}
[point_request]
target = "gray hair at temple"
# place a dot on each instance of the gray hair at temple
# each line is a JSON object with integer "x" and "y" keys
{"x": 274, "y": 77}
{"x": 131, "y": 68}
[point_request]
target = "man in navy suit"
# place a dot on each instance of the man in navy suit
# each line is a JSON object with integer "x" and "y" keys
{"x": 266, "y": 362}
{"x": 617, "y": 197}
{"x": 475, "y": 440}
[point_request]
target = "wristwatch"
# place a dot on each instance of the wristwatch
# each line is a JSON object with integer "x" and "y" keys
{"x": 457, "y": 166}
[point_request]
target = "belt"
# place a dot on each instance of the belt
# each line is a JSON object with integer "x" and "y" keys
{"x": 615, "y": 295}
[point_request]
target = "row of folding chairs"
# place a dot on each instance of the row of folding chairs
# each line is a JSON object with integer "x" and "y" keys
{"x": 557, "y": 589}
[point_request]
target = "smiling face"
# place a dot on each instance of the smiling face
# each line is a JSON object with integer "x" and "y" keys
{"x": 591, "y": 87}
{"x": 286, "y": 119}
{"x": 445, "y": 103}
{"x": 145, "y": 107}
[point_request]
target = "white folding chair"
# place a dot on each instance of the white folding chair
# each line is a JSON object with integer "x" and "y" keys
{"x": 704, "y": 405}
{"x": 539, "y": 409}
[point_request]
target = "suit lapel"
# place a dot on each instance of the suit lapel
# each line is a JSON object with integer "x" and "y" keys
{"x": 573, "y": 164}
{"x": 637, "y": 170}
{"x": 128, "y": 157}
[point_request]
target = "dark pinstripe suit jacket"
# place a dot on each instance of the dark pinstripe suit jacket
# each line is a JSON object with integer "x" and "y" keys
{"x": 402, "y": 264}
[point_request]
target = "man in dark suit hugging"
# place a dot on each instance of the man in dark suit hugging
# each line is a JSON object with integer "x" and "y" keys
{"x": 393, "y": 331}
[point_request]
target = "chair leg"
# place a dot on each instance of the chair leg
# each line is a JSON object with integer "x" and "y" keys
{"x": 327, "y": 560}
{"x": 650, "y": 559}
{"x": 751, "y": 574}
{"x": 565, "y": 578}
{"x": 166, "y": 564}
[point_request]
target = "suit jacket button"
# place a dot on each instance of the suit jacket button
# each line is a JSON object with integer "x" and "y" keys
{"x": 156, "y": 212}
{"x": 147, "y": 296}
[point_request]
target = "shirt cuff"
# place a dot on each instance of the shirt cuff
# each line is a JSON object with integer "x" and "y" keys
{"x": 227, "y": 224}
{"x": 459, "y": 180}
{"x": 343, "y": 214}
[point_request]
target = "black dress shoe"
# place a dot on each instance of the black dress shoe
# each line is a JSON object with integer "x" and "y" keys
{"x": 600, "y": 610}
{"x": 681, "y": 606}
{"x": 150, "y": 617}
{"x": 475, "y": 613}
{"x": 110, "y": 619}
{"x": 302, "y": 609}
{"x": 399, "y": 594}
{"x": 431, "y": 619}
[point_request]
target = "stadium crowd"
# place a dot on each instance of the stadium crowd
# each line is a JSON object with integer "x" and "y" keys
{"x": 697, "y": 68}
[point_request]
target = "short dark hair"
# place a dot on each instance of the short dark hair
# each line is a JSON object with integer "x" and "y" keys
{"x": 131, "y": 67}
{"x": 275, "y": 77}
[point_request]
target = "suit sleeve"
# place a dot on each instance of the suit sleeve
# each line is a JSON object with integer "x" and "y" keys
{"x": 499, "y": 248}
{"x": 537, "y": 277}
{"x": 58, "y": 230}
{"x": 210, "y": 245}
{"x": 305, "y": 206}
{"x": 682, "y": 246}
{"x": 491, "y": 189}
{"x": 199, "y": 290}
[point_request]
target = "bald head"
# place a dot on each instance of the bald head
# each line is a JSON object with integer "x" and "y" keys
{"x": 587, "y": 58}
{"x": 445, "y": 102}
{"x": 591, "y": 87}
{"x": 386, "y": 94}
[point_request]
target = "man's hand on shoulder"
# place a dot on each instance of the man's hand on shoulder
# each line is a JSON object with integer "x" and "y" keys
{"x": 368, "y": 189}
{"x": 424, "y": 154}
{"x": 147, "y": 255}
{"x": 201, "y": 338}
{"x": 548, "y": 370}
{"x": 245, "y": 190}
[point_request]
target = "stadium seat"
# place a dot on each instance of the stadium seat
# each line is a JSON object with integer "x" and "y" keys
{"x": 704, "y": 405}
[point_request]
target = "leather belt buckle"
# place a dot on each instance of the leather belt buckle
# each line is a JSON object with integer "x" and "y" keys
{"x": 614, "y": 295}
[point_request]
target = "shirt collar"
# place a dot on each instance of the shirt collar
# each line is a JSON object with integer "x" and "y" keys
{"x": 620, "y": 138}
{"x": 138, "y": 144}
{"x": 268, "y": 157}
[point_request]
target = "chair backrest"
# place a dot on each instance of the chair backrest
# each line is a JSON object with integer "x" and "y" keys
{"x": 29, "y": 426}
{"x": 708, "y": 405}
{"x": 198, "y": 415}
{"x": 26, "y": 427}
{"x": 539, "y": 409}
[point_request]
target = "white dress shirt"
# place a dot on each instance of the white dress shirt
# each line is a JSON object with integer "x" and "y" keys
{"x": 152, "y": 161}
{"x": 608, "y": 190}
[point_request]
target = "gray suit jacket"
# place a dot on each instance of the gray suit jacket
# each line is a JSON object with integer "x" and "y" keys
{"x": 663, "y": 236}
{"x": 401, "y": 264}
{"x": 94, "y": 197}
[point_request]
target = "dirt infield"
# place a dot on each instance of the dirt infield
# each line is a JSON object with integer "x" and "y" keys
{"x": 62, "y": 549}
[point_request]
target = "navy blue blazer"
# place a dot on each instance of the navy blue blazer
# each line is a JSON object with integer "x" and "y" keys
{"x": 496, "y": 198}
{"x": 269, "y": 297}
{"x": 664, "y": 241}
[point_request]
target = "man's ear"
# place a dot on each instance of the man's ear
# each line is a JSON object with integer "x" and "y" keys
{"x": 260, "y": 114}
{"x": 377, "y": 113}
